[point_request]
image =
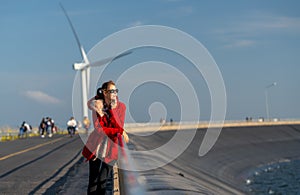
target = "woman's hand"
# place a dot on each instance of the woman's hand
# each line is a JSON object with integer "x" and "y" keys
{"x": 126, "y": 138}
{"x": 113, "y": 103}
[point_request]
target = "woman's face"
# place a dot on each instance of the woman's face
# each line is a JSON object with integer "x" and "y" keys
{"x": 111, "y": 93}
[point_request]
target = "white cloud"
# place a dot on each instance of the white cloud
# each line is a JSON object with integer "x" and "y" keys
{"x": 41, "y": 97}
{"x": 249, "y": 27}
{"x": 258, "y": 23}
{"x": 178, "y": 12}
{"x": 240, "y": 43}
{"x": 265, "y": 22}
{"x": 186, "y": 10}
{"x": 136, "y": 23}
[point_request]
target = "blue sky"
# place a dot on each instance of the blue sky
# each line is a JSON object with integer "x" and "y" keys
{"x": 254, "y": 44}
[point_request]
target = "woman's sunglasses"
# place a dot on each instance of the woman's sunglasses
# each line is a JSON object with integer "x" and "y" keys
{"x": 112, "y": 91}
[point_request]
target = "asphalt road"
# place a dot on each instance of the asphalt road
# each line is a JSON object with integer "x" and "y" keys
{"x": 32, "y": 165}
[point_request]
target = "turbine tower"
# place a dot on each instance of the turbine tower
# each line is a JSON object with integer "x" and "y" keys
{"x": 84, "y": 66}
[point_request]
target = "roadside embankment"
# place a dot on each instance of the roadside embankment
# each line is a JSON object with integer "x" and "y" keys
{"x": 145, "y": 127}
{"x": 240, "y": 149}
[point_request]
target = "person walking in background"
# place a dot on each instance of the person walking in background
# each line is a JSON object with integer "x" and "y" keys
{"x": 49, "y": 126}
{"x": 25, "y": 127}
{"x": 42, "y": 127}
{"x": 86, "y": 124}
{"x": 101, "y": 149}
{"x": 53, "y": 127}
{"x": 72, "y": 124}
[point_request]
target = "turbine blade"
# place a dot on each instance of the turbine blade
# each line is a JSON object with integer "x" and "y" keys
{"x": 109, "y": 59}
{"x": 84, "y": 56}
{"x": 82, "y": 52}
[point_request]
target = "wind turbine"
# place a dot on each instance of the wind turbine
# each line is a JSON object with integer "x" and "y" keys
{"x": 84, "y": 66}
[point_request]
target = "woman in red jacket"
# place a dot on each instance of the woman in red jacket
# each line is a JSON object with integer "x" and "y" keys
{"x": 101, "y": 149}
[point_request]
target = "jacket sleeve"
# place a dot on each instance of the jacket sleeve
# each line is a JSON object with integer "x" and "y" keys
{"x": 115, "y": 124}
{"x": 118, "y": 114}
{"x": 109, "y": 128}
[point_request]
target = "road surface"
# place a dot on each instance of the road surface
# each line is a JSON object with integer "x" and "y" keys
{"x": 30, "y": 166}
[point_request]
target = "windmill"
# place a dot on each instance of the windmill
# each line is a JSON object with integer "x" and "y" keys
{"x": 85, "y": 65}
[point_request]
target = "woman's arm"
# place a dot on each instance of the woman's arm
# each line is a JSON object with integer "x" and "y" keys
{"x": 97, "y": 110}
{"x": 96, "y": 105}
{"x": 114, "y": 124}
{"x": 118, "y": 114}
{"x": 90, "y": 103}
{"x": 109, "y": 128}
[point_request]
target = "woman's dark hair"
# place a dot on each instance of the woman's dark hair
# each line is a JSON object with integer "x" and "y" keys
{"x": 99, "y": 95}
{"x": 105, "y": 85}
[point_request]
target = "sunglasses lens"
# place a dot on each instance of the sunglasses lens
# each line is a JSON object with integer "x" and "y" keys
{"x": 113, "y": 91}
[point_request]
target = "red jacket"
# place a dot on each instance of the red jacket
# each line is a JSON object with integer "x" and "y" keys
{"x": 107, "y": 126}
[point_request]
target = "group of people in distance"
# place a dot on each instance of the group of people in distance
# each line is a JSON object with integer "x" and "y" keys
{"x": 47, "y": 126}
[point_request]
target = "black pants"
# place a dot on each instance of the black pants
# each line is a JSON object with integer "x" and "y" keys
{"x": 71, "y": 130}
{"x": 100, "y": 178}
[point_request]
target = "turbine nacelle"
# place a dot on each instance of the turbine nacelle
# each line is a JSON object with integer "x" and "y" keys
{"x": 80, "y": 66}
